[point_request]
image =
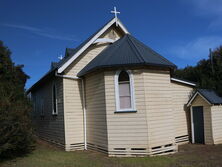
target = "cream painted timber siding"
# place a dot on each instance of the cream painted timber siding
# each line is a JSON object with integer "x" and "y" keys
{"x": 73, "y": 96}
{"x": 199, "y": 101}
{"x": 73, "y": 111}
{"x": 127, "y": 132}
{"x": 216, "y": 116}
{"x": 159, "y": 112}
{"x": 112, "y": 33}
{"x": 73, "y": 100}
{"x": 180, "y": 96}
{"x": 49, "y": 127}
{"x": 96, "y": 112}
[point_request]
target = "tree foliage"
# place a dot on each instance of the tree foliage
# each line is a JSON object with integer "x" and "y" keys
{"x": 207, "y": 73}
{"x": 15, "y": 124}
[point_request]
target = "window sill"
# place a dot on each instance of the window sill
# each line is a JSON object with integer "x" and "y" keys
{"x": 126, "y": 111}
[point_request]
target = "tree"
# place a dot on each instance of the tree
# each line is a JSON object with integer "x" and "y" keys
{"x": 207, "y": 73}
{"x": 15, "y": 124}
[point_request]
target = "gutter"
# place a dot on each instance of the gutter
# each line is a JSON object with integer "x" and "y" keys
{"x": 183, "y": 81}
{"x": 66, "y": 76}
{"x": 83, "y": 99}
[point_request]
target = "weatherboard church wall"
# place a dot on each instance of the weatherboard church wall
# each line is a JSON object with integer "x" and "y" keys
{"x": 96, "y": 121}
{"x": 125, "y": 130}
{"x": 180, "y": 95}
{"x": 160, "y": 117}
{"x": 49, "y": 127}
{"x": 154, "y": 122}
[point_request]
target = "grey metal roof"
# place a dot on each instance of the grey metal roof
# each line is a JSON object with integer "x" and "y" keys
{"x": 127, "y": 51}
{"x": 210, "y": 95}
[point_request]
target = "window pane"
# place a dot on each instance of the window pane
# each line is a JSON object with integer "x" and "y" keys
{"x": 124, "y": 89}
{"x": 125, "y": 102}
{"x": 54, "y": 99}
{"x": 123, "y": 76}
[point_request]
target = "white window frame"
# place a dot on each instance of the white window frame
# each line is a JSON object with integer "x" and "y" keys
{"x": 42, "y": 112}
{"x": 133, "y": 102}
{"x": 34, "y": 103}
{"x": 54, "y": 113}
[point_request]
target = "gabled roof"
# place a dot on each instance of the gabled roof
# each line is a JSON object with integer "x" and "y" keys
{"x": 127, "y": 51}
{"x": 73, "y": 53}
{"x": 208, "y": 95}
{"x": 82, "y": 47}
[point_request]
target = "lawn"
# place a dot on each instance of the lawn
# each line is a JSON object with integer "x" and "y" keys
{"x": 189, "y": 155}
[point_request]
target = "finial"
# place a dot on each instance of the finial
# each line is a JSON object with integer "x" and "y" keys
{"x": 60, "y": 57}
{"x": 115, "y": 13}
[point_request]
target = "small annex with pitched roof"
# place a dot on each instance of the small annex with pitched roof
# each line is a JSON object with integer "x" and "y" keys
{"x": 206, "y": 117}
{"x": 113, "y": 94}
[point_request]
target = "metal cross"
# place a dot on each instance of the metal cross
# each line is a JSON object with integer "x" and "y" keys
{"x": 60, "y": 57}
{"x": 115, "y": 12}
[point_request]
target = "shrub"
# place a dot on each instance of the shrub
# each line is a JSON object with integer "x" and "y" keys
{"x": 15, "y": 124}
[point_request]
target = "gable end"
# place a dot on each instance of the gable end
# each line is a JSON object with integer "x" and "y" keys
{"x": 90, "y": 42}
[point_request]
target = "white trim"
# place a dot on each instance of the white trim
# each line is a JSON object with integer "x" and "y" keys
{"x": 66, "y": 76}
{"x": 42, "y": 107}
{"x": 64, "y": 66}
{"x": 191, "y": 100}
{"x": 103, "y": 40}
{"x": 132, "y": 93}
{"x": 184, "y": 82}
{"x": 192, "y": 125}
{"x": 84, "y": 115}
{"x": 197, "y": 93}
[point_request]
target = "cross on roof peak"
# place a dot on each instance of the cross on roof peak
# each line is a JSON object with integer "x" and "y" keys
{"x": 115, "y": 13}
{"x": 60, "y": 57}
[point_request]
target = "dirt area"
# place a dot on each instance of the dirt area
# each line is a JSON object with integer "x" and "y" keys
{"x": 198, "y": 155}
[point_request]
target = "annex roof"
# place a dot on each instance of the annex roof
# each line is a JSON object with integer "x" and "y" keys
{"x": 207, "y": 94}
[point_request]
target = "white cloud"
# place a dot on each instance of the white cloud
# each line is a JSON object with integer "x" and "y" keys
{"x": 196, "y": 49}
{"x": 211, "y": 9}
{"x": 42, "y": 32}
{"x": 207, "y": 7}
{"x": 216, "y": 24}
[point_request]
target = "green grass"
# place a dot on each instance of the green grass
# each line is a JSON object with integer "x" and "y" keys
{"x": 48, "y": 156}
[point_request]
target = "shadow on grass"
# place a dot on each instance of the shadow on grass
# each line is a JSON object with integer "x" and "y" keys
{"x": 12, "y": 155}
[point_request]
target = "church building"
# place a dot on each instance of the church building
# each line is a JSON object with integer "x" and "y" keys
{"x": 116, "y": 95}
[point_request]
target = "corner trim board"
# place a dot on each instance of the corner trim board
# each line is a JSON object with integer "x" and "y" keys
{"x": 192, "y": 125}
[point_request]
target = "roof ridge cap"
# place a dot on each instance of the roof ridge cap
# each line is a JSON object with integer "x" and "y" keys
{"x": 138, "y": 52}
{"x": 154, "y": 52}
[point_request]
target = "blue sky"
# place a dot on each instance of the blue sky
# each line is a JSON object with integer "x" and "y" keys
{"x": 37, "y": 32}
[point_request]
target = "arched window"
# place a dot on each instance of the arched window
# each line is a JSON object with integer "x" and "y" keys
{"x": 124, "y": 91}
{"x": 54, "y": 100}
